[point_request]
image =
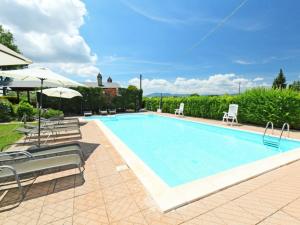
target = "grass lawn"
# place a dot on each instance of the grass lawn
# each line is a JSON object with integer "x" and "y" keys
{"x": 8, "y": 134}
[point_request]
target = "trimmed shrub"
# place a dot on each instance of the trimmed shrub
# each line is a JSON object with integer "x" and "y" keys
{"x": 25, "y": 108}
{"x": 6, "y": 110}
{"x": 52, "y": 113}
{"x": 256, "y": 106}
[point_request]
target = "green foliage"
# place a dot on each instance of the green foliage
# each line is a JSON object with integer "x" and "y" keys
{"x": 129, "y": 98}
{"x": 12, "y": 99}
{"x": 94, "y": 99}
{"x": 25, "y": 108}
{"x": 295, "y": 86}
{"x": 8, "y": 134}
{"x": 52, "y": 113}
{"x": 279, "y": 81}
{"x": 7, "y": 39}
{"x": 6, "y": 110}
{"x": 256, "y": 106}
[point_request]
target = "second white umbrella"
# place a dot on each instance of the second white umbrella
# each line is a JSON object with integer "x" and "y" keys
{"x": 61, "y": 92}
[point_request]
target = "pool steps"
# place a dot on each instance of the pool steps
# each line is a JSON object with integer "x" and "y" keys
{"x": 270, "y": 140}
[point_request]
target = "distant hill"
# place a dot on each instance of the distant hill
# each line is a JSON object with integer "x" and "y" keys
{"x": 165, "y": 95}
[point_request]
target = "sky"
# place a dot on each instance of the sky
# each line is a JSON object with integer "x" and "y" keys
{"x": 205, "y": 47}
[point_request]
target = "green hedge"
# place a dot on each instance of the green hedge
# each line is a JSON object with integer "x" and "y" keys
{"x": 256, "y": 106}
{"x": 52, "y": 113}
{"x": 12, "y": 99}
{"x": 6, "y": 110}
{"x": 25, "y": 108}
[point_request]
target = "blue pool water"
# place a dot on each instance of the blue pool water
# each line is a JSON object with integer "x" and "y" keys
{"x": 181, "y": 151}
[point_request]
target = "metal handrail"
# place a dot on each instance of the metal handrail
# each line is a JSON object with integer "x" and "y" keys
{"x": 267, "y": 127}
{"x": 287, "y": 126}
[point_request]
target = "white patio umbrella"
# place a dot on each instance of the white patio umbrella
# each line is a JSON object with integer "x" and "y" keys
{"x": 9, "y": 57}
{"x": 61, "y": 92}
{"x": 42, "y": 74}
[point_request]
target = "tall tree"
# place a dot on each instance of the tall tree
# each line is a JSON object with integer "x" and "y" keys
{"x": 7, "y": 39}
{"x": 279, "y": 81}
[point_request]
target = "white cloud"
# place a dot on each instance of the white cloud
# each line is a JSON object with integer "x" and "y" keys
{"x": 258, "y": 79}
{"x": 48, "y": 33}
{"x": 243, "y": 62}
{"x": 215, "y": 84}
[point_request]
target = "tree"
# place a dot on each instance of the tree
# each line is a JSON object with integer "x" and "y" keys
{"x": 279, "y": 81}
{"x": 7, "y": 39}
{"x": 295, "y": 85}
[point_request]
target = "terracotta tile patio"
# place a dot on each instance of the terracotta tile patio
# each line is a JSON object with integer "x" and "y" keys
{"x": 110, "y": 197}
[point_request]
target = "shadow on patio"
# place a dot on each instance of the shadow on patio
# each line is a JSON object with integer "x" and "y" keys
{"x": 44, "y": 184}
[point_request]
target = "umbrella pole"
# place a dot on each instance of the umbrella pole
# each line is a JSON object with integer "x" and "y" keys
{"x": 40, "y": 107}
{"x": 60, "y": 101}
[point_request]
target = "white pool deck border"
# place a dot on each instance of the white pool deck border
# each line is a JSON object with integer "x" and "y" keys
{"x": 168, "y": 198}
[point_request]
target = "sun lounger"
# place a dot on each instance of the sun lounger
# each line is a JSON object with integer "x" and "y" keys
{"x": 112, "y": 111}
{"x": 103, "y": 112}
{"x": 48, "y": 129}
{"x": 231, "y": 114}
{"x": 87, "y": 113}
{"x": 33, "y": 166}
{"x": 179, "y": 111}
{"x": 42, "y": 152}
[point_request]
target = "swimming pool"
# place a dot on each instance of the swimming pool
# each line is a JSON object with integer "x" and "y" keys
{"x": 178, "y": 152}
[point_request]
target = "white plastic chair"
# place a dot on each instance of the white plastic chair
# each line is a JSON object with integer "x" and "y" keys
{"x": 231, "y": 114}
{"x": 180, "y": 110}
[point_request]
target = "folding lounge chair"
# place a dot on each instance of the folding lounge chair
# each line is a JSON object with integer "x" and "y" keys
{"x": 103, "y": 112}
{"x": 64, "y": 121}
{"x": 112, "y": 111}
{"x": 33, "y": 166}
{"x": 179, "y": 111}
{"x": 42, "y": 152}
{"x": 87, "y": 113}
{"x": 48, "y": 128}
{"x": 231, "y": 114}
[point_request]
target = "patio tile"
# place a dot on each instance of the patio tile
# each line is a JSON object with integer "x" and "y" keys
{"x": 56, "y": 211}
{"x": 59, "y": 195}
{"x": 143, "y": 200}
{"x": 206, "y": 219}
{"x": 121, "y": 208}
{"x": 65, "y": 221}
{"x": 27, "y": 212}
{"x": 115, "y": 192}
{"x": 134, "y": 219}
{"x": 193, "y": 210}
{"x": 88, "y": 201}
{"x": 293, "y": 209}
{"x": 153, "y": 216}
{"x": 135, "y": 186}
{"x": 255, "y": 206}
{"x": 230, "y": 213}
{"x": 127, "y": 175}
{"x": 86, "y": 187}
{"x": 94, "y": 216}
{"x": 280, "y": 218}
{"x": 110, "y": 180}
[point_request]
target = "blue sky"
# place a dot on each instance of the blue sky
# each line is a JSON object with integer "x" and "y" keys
{"x": 207, "y": 46}
{"x": 164, "y": 39}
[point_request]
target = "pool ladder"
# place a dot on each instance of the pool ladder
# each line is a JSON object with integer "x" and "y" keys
{"x": 269, "y": 140}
